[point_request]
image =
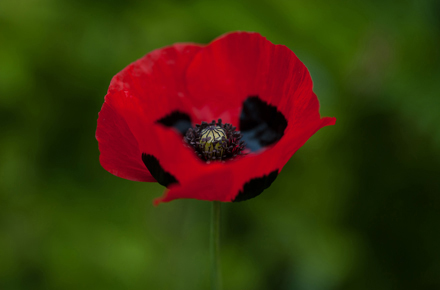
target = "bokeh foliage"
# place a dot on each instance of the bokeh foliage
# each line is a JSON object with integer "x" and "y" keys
{"x": 358, "y": 207}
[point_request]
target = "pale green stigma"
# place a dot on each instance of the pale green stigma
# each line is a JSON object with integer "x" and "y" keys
{"x": 211, "y": 138}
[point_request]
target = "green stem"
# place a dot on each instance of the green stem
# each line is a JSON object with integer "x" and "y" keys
{"x": 215, "y": 246}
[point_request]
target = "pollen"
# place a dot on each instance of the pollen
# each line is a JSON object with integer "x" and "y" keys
{"x": 215, "y": 141}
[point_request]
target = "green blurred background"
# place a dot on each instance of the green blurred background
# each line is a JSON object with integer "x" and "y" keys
{"x": 358, "y": 207}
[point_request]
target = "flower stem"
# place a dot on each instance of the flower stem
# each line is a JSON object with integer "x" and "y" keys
{"x": 215, "y": 246}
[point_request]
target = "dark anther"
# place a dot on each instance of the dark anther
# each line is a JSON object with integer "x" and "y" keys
{"x": 215, "y": 141}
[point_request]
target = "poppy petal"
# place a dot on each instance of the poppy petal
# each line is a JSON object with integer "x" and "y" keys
{"x": 247, "y": 80}
{"x": 172, "y": 158}
{"x": 223, "y": 182}
{"x": 240, "y": 65}
{"x": 156, "y": 82}
{"x": 118, "y": 147}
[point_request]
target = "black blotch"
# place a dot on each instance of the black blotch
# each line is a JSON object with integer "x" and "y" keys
{"x": 260, "y": 123}
{"x": 163, "y": 178}
{"x": 178, "y": 120}
{"x": 256, "y": 186}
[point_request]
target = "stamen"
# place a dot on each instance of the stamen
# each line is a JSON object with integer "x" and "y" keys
{"x": 215, "y": 141}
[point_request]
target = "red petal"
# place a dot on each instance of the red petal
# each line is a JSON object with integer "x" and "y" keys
{"x": 242, "y": 64}
{"x": 119, "y": 149}
{"x": 223, "y": 182}
{"x": 220, "y": 78}
{"x": 156, "y": 82}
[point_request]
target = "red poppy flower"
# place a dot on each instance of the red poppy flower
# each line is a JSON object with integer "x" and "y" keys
{"x": 155, "y": 124}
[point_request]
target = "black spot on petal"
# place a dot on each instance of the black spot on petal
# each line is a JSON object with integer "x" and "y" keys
{"x": 163, "y": 178}
{"x": 178, "y": 120}
{"x": 261, "y": 124}
{"x": 256, "y": 186}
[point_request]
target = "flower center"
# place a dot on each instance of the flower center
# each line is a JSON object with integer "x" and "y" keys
{"x": 215, "y": 141}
